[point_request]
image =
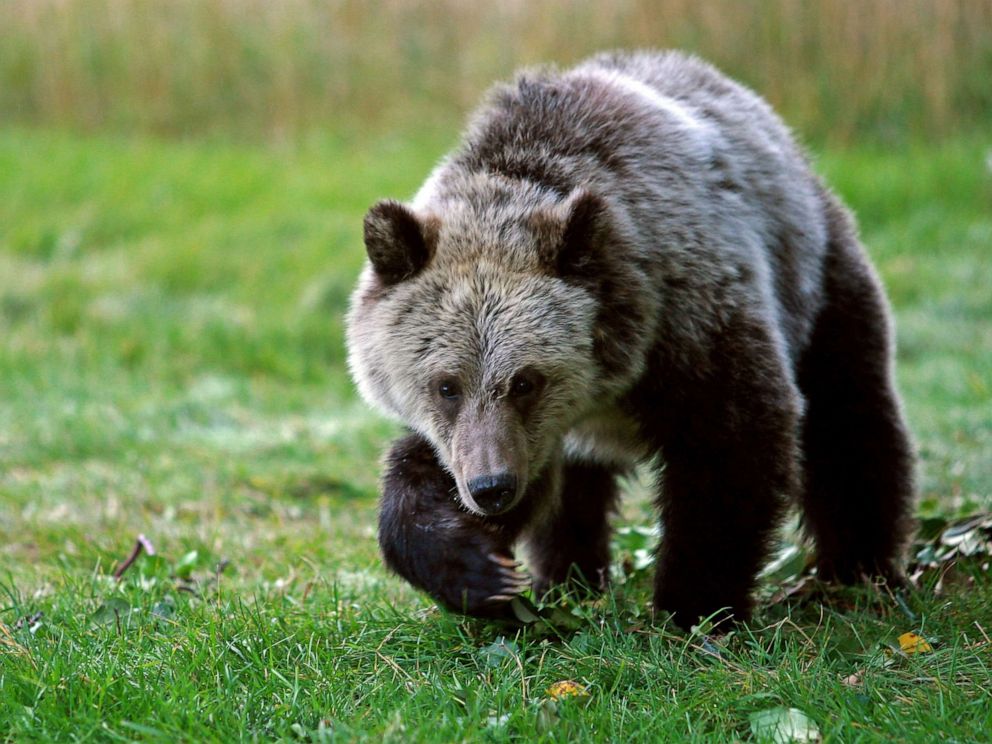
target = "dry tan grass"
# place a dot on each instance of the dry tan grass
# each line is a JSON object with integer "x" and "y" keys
{"x": 839, "y": 69}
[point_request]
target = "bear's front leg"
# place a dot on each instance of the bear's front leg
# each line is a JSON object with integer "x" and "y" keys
{"x": 460, "y": 559}
{"x": 571, "y": 545}
{"x": 730, "y": 446}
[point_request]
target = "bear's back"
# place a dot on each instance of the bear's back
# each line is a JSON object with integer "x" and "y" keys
{"x": 762, "y": 175}
{"x": 703, "y": 166}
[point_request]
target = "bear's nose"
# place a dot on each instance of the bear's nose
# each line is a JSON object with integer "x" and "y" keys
{"x": 493, "y": 493}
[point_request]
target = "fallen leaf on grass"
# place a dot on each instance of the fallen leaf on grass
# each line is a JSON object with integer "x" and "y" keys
{"x": 547, "y": 716}
{"x": 524, "y": 610}
{"x": 566, "y": 689}
{"x": 911, "y": 643}
{"x": 940, "y": 546}
{"x": 527, "y": 613}
{"x": 164, "y": 611}
{"x": 112, "y": 610}
{"x": 497, "y": 722}
{"x": 497, "y": 652}
{"x": 783, "y": 726}
{"x": 790, "y": 563}
{"x": 186, "y": 564}
{"x": 946, "y": 542}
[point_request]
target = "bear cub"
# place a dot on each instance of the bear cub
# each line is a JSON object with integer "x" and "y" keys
{"x": 627, "y": 262}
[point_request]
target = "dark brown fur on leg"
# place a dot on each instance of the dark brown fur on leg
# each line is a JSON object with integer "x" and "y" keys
{"x": 859, "y": 462}
{"x": 729, "y": 442}
{"x": 574, "y": 545}
{"x": 428, "y": 538}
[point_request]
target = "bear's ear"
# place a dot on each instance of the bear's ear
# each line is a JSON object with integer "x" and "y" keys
{"x": 396, "y": 241}
{"x": 579, "y": 228}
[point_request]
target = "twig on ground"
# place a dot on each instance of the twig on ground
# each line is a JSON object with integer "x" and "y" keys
{"x": 141, "y": 544}
{"x": 984, "y": 634}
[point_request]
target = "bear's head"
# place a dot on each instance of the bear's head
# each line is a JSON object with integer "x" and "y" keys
{"x": 479, "y": 324}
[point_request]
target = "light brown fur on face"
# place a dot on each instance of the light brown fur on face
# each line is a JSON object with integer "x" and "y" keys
{"x": 479, "y": 326}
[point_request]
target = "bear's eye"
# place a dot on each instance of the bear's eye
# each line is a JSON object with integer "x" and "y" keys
{"x": 524, "y": 384}
{"x": 448, "y": 389}
{"x": 521, "y": 386}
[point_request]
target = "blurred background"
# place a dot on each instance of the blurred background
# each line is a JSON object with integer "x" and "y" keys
{"x": 839, "y": 70}
{"x": 182, "y": 186}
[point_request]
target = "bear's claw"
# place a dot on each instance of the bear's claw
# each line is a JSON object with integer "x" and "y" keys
{"x": 500, "y": 598}
{"x": 503, "y": 560}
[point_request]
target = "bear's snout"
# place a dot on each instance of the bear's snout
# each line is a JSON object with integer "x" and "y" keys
{"x": 489, "y": 458}
{"x": 494, "y": 494}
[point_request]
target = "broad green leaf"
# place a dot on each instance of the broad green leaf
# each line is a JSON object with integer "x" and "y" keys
{"x": 110, "y": 611}
{"x": 783, "y": 726}
{"x": 790, "y": 561}
{"x": 186, "y": 564}
{"x": 524, "y": 610}
{"x": 499, "y": 651}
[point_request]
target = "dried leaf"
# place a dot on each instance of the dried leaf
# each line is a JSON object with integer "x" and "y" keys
{"x": 783, "y": 725}
{"x": 566, "y": 688}
{"x": 708, "y": 647}
{"x": 911, "y": 643}
{"x": 967, "y": 528}
{"x": 945, "y": 542}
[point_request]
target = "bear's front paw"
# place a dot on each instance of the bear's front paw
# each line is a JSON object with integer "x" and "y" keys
{"x": 461, "y": 560}
{"x": 464, "y": 571}
{"x": 480, "y": 585}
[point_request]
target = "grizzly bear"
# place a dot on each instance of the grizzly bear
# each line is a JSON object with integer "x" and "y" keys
{"x": 627, "y": 262}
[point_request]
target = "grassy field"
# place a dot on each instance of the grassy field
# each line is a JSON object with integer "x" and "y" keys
{"x": 171, "y": 364}
{"x": 840, "y": 70}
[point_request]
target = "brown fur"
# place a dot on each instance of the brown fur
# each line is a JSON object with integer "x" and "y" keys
{"x": 630, "y": 261}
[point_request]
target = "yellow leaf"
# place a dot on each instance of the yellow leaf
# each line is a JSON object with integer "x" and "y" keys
{"x": 911, "y": 643}
{"x": 567, "y": 688}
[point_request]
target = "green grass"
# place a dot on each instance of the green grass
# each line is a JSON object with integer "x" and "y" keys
{"x": 172, "y": 364}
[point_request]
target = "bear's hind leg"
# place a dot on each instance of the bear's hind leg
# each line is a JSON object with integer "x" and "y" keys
{"x": 858, "y": 457}
{"x": 573, "y": 545}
